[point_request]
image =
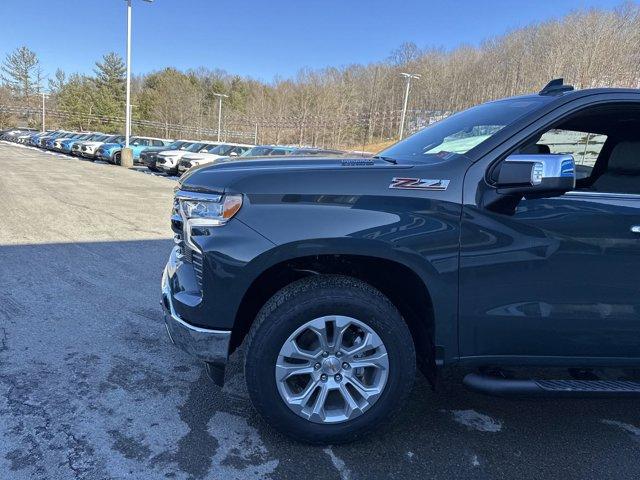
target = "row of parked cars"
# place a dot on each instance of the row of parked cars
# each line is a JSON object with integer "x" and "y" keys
{"x": 173, "y": 157}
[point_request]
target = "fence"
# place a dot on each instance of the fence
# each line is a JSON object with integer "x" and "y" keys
{"x": 331, "y": 130}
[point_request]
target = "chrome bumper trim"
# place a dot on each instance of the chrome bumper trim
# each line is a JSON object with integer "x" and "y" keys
{"x": 203, "y": 343}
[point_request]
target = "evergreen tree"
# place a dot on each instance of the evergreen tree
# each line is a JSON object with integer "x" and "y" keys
{"x": 110, "y": 89}
{"x": 58, "y": 82}
{"x": 21, "y": 73}
{"x": 77, "y": 99}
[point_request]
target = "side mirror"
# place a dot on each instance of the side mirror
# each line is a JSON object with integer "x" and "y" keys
{"x": 537, "y": 175}
{"x": 233, "y": 154}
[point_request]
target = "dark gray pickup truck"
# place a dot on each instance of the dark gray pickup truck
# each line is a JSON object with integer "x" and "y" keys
{"x": 504, "y": 236}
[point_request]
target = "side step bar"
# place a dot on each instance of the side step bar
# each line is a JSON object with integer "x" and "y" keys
{"x": 505, "y": 387}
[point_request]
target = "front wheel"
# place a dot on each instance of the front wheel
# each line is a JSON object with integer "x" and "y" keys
{"x": 116, "y": 158}
{"x": 328, "y": 359}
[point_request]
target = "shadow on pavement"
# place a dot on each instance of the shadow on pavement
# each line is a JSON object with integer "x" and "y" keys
{"x": 90, "y": 387}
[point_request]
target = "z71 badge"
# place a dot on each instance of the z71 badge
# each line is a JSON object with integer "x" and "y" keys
{"x": 419, "y": 183}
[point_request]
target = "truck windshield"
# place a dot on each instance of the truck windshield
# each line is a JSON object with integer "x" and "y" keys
{"x": 459, "y": 133}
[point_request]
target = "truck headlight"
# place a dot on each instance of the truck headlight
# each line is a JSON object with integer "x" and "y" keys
{"x": 199, "y": 210}
{"x": 216, "y": 209}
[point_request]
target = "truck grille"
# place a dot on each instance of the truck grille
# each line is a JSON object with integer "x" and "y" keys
{"x": 197, "y": 266}
{"x": 193, "y": 257}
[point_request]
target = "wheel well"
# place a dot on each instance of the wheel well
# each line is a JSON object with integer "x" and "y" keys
{"x": 399, "y": 283}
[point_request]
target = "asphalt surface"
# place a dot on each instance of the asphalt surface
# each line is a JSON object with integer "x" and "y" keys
{"x": 91, "y": 388}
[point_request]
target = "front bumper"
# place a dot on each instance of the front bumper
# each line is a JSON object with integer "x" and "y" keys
{"x": 167, "y": 164}
{"x": 184, "y": 166}
{"x": 104, "y": 156}
{"x": 211, "y": 346}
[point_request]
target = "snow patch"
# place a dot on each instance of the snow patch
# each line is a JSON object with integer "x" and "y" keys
{"x": 338, "y": 463}
{"x": 476, "y": 421}
{"x": 240, "y": 452}
{"x": 627, "y": 427}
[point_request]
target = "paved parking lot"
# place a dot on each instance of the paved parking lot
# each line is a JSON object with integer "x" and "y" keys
{"x": 91, "y": 388}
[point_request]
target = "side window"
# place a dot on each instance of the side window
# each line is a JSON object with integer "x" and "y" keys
{"x": 277, "y": 152}
{"x": 157, "y": 143}
{"x": 584, "y": 146}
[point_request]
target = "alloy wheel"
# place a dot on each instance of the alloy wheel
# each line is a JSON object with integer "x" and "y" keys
{"x": 332, "y": 369}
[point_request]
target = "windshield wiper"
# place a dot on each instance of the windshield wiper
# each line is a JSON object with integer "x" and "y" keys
{"x": 386, "y": 159}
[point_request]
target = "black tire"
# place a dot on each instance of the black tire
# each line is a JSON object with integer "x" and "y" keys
{"x": 310, "y": 298}
{"x": 116, "y": 158}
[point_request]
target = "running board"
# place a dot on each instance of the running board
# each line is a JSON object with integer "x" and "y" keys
{"x": 505, "y": 387}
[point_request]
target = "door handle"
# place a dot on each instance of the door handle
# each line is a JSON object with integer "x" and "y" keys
{"x": 635, "y": 229}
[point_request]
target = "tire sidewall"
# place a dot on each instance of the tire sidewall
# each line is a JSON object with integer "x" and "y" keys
{"x": 376, "y": 312}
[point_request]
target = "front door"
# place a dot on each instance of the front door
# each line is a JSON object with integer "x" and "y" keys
{"x": 561, "y": 276}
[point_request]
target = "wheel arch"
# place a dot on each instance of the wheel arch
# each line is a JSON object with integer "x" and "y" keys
{"x": 398, "y": 280}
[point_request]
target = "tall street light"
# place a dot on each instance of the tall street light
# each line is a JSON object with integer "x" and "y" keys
{"x": 127, "y": 126}
{"x": 220, "y": 97}
{"x": 44, "y": 95}
{"x": 408, "y": 76}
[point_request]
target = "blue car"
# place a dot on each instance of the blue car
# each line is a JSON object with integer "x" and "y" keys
{"x": 111, "y": 152}
{"x": 50, "y": 143}
{"x": 56, "y": 144}
{"x": 66, "y": 145}
{"x": 35, "y": 138}
{"x": 42, "y": 140}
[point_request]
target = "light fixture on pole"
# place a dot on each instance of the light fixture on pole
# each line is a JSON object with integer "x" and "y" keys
{"x": 408, "y": 76}
{"x": 220, "y": 97}
{"x": 127, "y": 127}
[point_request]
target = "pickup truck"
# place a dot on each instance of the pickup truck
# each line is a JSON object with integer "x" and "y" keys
{"x": 473, "y": 243}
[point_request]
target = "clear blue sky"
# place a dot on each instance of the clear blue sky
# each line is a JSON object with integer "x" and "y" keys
{"x": 258, "y": 38}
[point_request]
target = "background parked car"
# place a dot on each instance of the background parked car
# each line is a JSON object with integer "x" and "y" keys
{"x": 316, "y": 151}
{"x": 34, "y": 140}
{"x": 66, "y": 145}
{"x": 268, "y": 151}
{"x": 211, "y": 155}
{"x": 168, "y": 160}
{"x": 42, "y": 140}
{"x": 63, "y": 144}
{"x": 258, "y": 151}
{"x": 150, "y": 156}
{"x": 88, "y": 147}
{"x": 53, "y": 143}
{"x": 111, "y": 152}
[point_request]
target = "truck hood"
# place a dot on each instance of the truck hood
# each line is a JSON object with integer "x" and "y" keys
{"x": 281, "y": 174}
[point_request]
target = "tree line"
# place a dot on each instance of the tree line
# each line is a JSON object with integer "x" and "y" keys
{"x": 344, "y": 106}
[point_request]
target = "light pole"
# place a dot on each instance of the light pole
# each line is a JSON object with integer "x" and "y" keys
{"x": 127, "y": 127}
{"x": 220, "y": 97}
{"x": 44, "y": 95}
{"x": 408, "y": 76}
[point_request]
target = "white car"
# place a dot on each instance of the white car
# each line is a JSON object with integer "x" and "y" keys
{"x": 211, "y": 155}
{"x": 88, "y": 148}
{"x": 168, "y": 160}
